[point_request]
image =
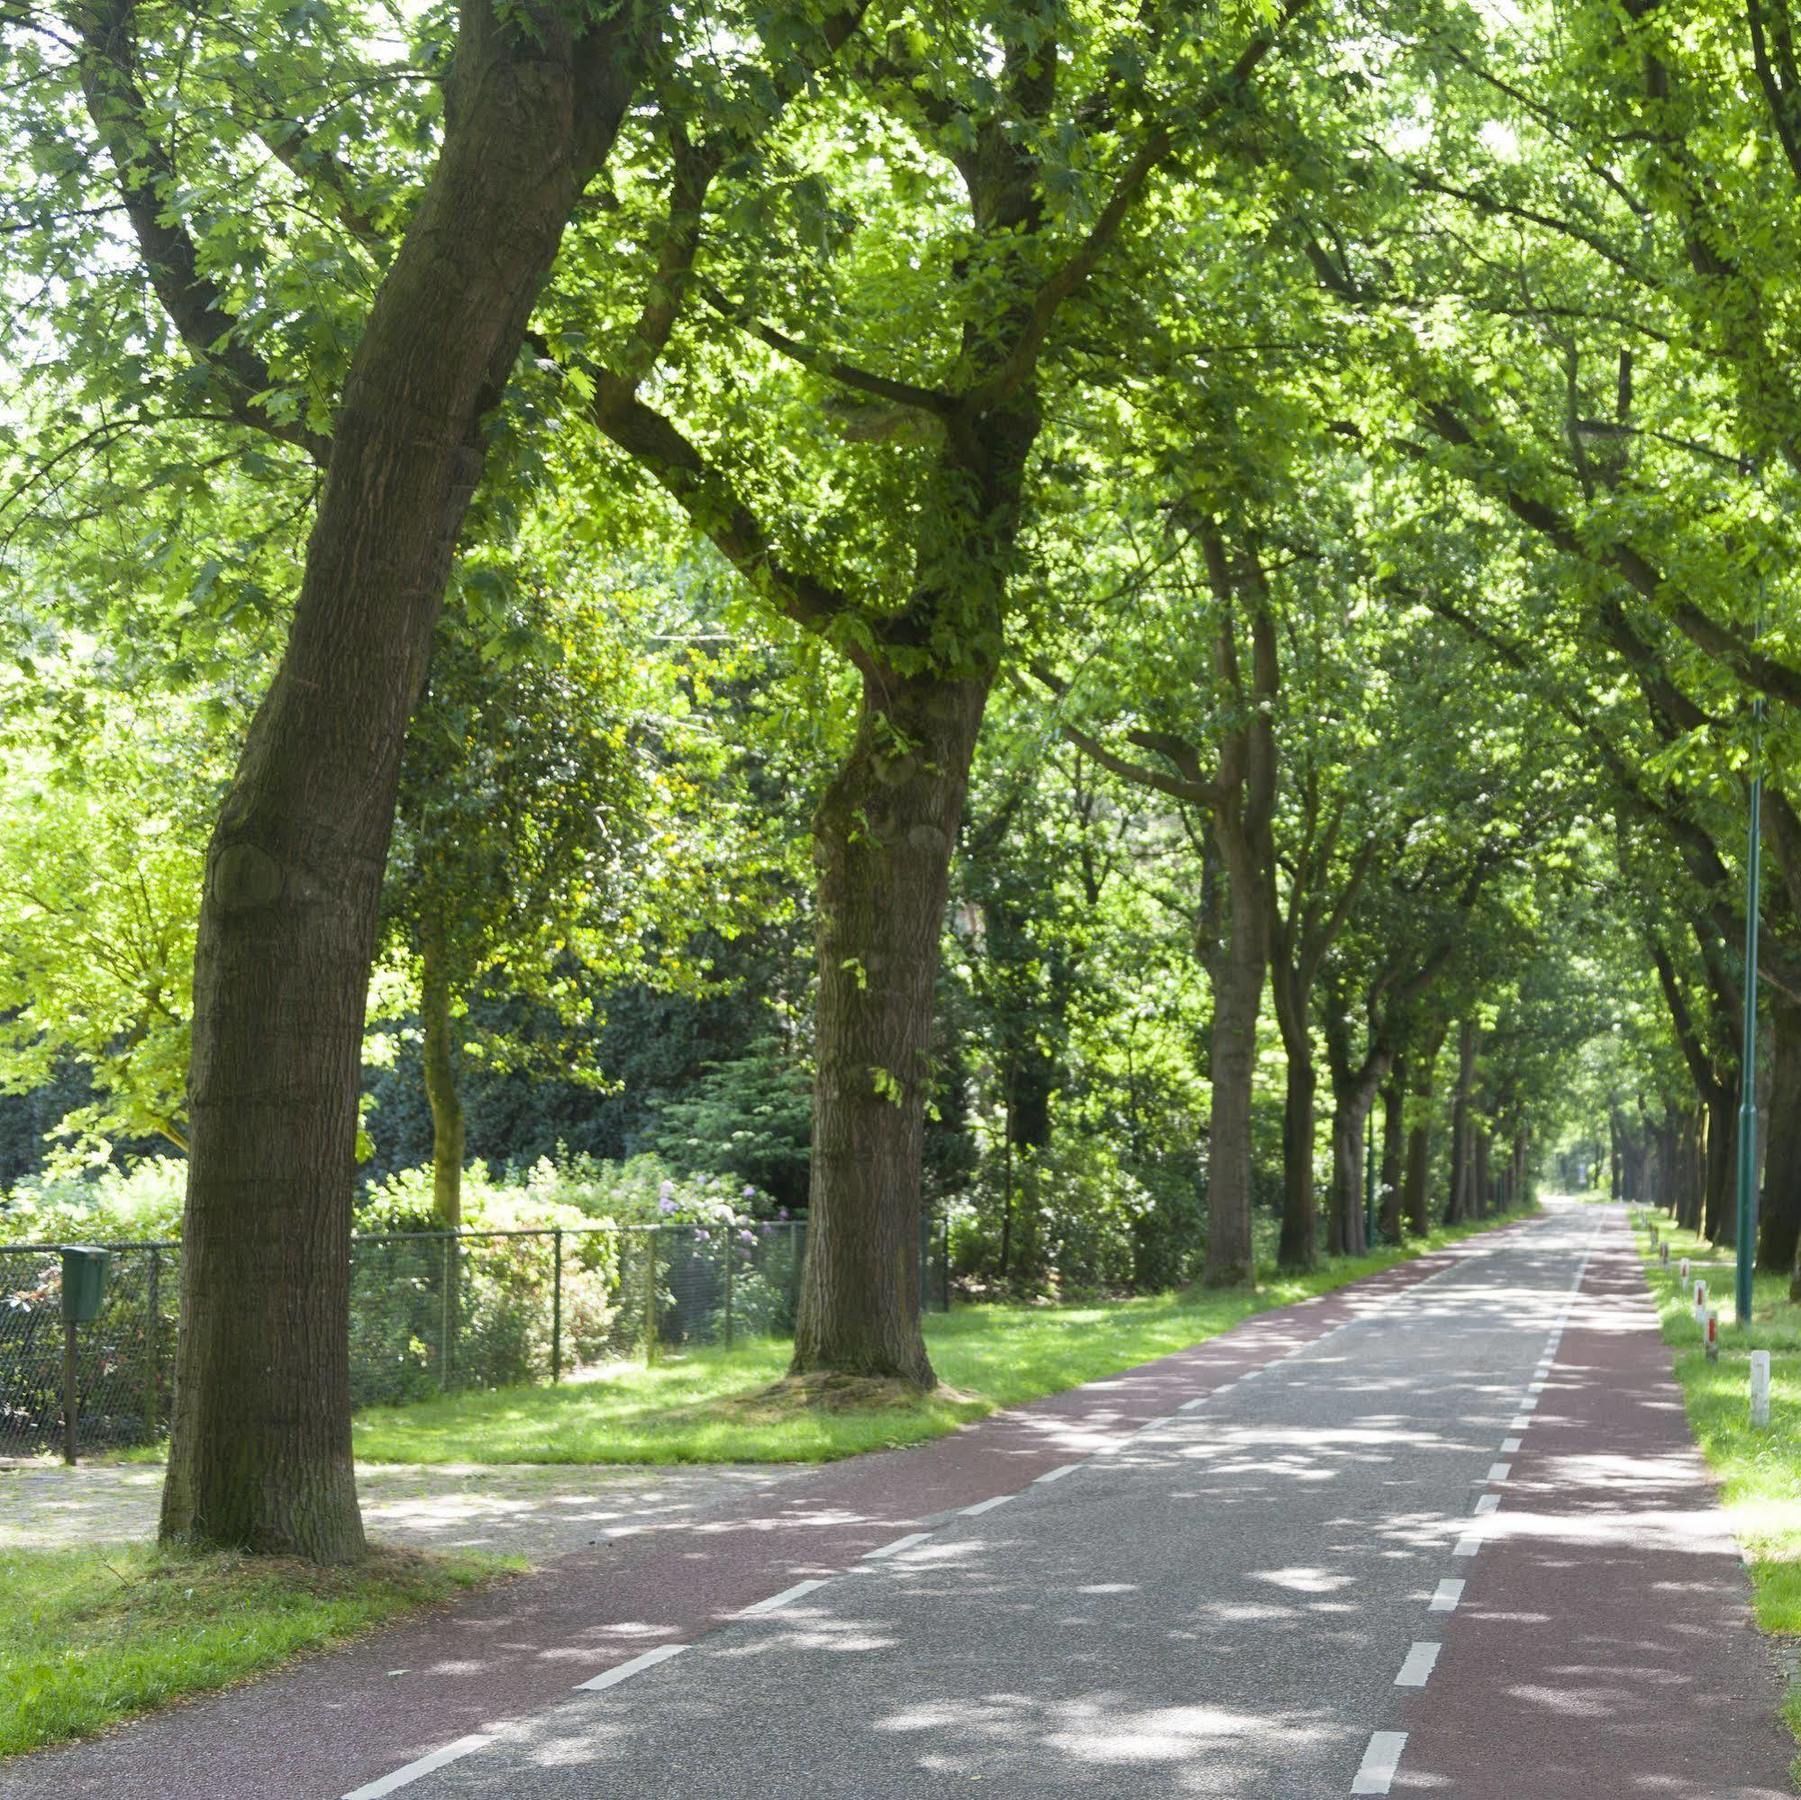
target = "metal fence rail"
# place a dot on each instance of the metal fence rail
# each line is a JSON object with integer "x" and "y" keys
{"x": 431, "y": 1312}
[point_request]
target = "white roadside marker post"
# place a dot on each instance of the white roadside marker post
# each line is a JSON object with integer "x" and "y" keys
{"x": 1713, "y": 1334}
{"x": 1682, "y": 1271}
{"x": 1760, "y": 1387}
{"x": 1663, "y": 1255}
{"x": 1700, "y": 1302}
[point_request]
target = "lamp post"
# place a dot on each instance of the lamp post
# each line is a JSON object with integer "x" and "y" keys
{"x": 1747, "y": 1111}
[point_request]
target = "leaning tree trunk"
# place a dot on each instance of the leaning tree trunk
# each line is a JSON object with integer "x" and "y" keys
{"x": 260, "y": 1442}
{"x": 882, "y": 846}
{"x": 1779, "y": 1215}
{"x": 1394, "y": 1095}
{"x": 1417, "y": 1199}
{"x": 439, "y": 1056}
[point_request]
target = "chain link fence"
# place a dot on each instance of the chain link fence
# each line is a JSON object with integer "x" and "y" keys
{"x": 431, "y": 1312}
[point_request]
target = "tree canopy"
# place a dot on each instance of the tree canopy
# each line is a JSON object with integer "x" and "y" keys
{"x": 1171, "y": 608}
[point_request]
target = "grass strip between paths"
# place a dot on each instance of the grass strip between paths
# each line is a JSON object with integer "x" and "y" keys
{"x": 710, "y": 1404}
{"x": 1759, "y": 1470}
{"x": 88, "y": 1638}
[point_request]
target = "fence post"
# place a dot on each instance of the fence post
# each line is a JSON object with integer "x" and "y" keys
{"x": 796, "y": 1248}
{"x": 731, "y": 1257}
{"x": 153, "y": 1306}
{"x": 444, "y": 1320}
{"x": 925, "y": 1264}
{"x": 650, "y": 1296}
{"x": 70, "y": 1399}
{"x": 556, "y": 1308}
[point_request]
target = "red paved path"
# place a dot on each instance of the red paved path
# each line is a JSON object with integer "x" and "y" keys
{"x": 1608, "y": 1601}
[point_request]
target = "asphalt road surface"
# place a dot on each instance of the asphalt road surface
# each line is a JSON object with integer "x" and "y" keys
{"x": 1441, "y": 1534}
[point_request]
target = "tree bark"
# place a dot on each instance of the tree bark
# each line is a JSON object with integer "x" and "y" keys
{"x": 260, "y": 1442}
{"x": 1417, "y": 1199}
{"x": 1349, "y": 1118}
{"x": 1779, "y": 1213}
{"x": 1237, "y": 997}
{"x": 1694, "y": 1174}
{"x": 1394, "y": 1094}
{"x": 882, "y": 843}
{"x": 1298, "y": 1247}
{"x": 1719, "y": 1218}
{"x": 1462, "y": 1163}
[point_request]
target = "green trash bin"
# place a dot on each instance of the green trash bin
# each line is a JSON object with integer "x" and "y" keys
{"x": 84, "y": 1282}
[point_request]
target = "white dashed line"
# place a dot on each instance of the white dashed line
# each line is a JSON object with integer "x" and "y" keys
{"x": 1519, "y": 1422}
{"x": 405, "y": 1777}
{"x": 1499, "y": 1471}
{"x": 626, "y": 1670}
{"x": 1198, "y": 1400}
{"x": 1380, "y": 1761}
{"x": 1056, "y": 1474}
{"x": 776, "y": 1601}
{"x": 1487, "y": 1504}
{"x": 982, "y": 1506}
{"x": 1418, "y": 1665}
{"x": 1510, "y": 1444}
{"x": 1468, "y": 1544}
{"x": 1530, "y": 1404}
{"x": 1445, "y": 1597}
{"x": 899, "y": 1544}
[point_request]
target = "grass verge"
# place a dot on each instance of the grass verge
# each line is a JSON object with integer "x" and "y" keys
{"x": 88, "y": 1638}
{"x": 715, "y": 1405}
{"x": 1759, "y": 1470}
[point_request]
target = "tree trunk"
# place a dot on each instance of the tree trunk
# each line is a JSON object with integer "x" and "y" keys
{"x": 1483, "y": 1197}
{"x": 1298, "y": 1247}
{"x": 1719, "y": 1216}
{"x": 260, "y": 1440}
{"x": 1779, "y": 1213}
{"x": 1462, "y": 1162}
{"x": 1694, "y": 1192}
{"x": 1349, "y": 1117}
{"x": 1416, "y": 1200}
{"x": 882, "y": 843}
{"x": 441, "y": 1094}
{"x": 1393, "y": 1137}
{"x": 1237, "y": 995}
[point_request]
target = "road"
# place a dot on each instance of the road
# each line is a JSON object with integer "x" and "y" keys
{"x": 1442, "y": 1534}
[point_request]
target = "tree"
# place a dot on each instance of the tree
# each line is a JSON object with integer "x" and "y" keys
{"x": 260, "y": 1448}
{"x": 1037, "y": 152}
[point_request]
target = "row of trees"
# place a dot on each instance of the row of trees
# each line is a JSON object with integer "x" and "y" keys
{"x": 1333, "y": 464}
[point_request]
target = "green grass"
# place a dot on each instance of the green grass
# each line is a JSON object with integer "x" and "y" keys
{"x": 88, "y": 1638}
{"x": 1759, "y": 1470}
{"x": 711, "y": 1405}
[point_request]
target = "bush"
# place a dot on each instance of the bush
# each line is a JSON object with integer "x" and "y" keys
{"x": 108, "y": 1205}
